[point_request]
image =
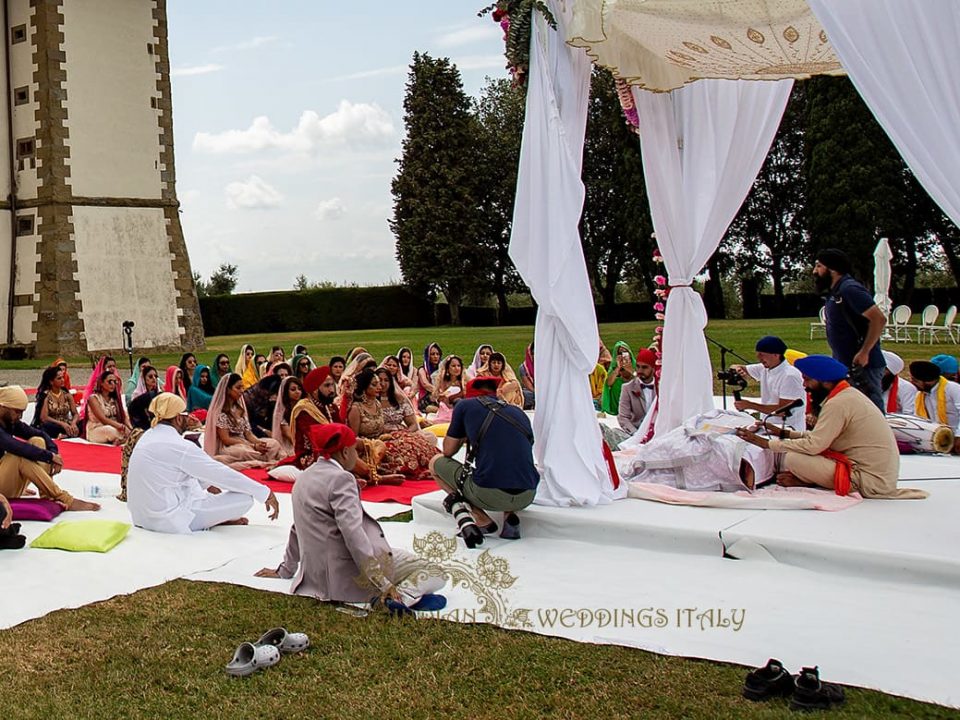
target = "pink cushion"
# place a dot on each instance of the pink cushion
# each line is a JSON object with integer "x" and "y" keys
{"x": 35, "y": 509}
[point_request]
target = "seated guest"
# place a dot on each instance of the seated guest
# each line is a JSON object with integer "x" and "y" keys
{"x": 260, "y": 401}
{"x": 851, "y": 448}
{"x": 604, "y": 357}
{"x": 289, "y": 394}
{"x": 352, "y": 355}
{"x": 246, "y": 367}
{"x": 432, "y": 355}
{"x": 314, "y": 408}
{"x": 504, "y": 479}
{"x": 259, "y": 360}
{"x": 62, "y": 364}
{"x": 638, "y": 395}
{"x": 227, "y": 435}
{"x": 448, "y": 387}
{"x": 55, "y": 412}
{"x": 527, "y": 380}
{"x": 219, "y": 369}
{"x": 948, "y": 366}
{"x": 404, "y": 454}
{"x": 276, "y": 357}
{"x": 780, "y": 382}
{"x": 134, "y": 379}
{"x": 936, "y": 398}
{"x": 201, "y": 389}
{"x": 104, "y": 364}
{"x": 281, "y": 370}
{"x": 188, "y": 365}
{"x": 480, "y": 358}
{"x": 407, "y": 371}
{"x": 509, "y": 389}
{"x": 173, "y": 383}
{"x": 337, "y": 366}
{"x": 391, "y": 363}
{"x": 336, "y": 551}
{"x": 106, "y": 421}
{"x": 148, "y": 387}
{"x": 348, "y": 382}
{"x": 28, "y": 456}
{"x": 175, "y": 487}
{"x": 398, "y": 412}
{"x": 299, "y": 349}
{"x": 620, "y": 372}
{"x": 302, "y": 365}
{"x": 898, "y": 394}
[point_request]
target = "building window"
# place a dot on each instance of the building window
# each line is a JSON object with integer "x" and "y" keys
{"x": 24, "y": 225}
{"x": 18, "y": 34}
{"x": 21, "y": 95}
{"x": 26, "y": 153}
{"x": 153, "y": 102}
{"x": 149, "y": 48}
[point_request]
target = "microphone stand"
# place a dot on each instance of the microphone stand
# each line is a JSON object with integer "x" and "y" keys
{"x": 723, "y": 367}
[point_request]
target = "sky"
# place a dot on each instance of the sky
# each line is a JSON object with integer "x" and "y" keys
{"x": 288, "y": 119}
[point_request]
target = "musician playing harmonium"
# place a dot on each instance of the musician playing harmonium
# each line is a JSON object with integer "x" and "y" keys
{"x": 851, "y": 448}
{"x": 936, "y": 398}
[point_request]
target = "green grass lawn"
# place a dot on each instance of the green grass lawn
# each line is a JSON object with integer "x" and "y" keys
{"x": 740, "y": 335}
{"x": 159, "y": 654}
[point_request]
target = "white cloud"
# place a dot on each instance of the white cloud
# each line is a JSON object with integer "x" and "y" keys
{"x": 351, "y": 124}
{"x": 331, "y": 209}
{"x": 196, "y": 70}
{"x": 254, "y": 193}
{"x": 376, "y": 72}
{"x": 480, "y": 62}
{"x": 469, "y": 35}
{"x": 251, "y": 44}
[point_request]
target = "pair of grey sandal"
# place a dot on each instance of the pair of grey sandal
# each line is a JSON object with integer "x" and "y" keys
{"x": 266, "y": 651}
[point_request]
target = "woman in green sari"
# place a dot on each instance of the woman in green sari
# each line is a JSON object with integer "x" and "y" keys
{"x": 621, "y": 370}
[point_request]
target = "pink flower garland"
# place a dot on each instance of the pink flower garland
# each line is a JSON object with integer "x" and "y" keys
{"x": 627, "y": 105}
{"x": 661, "y": 292}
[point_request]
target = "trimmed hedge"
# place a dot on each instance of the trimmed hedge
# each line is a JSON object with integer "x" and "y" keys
{"x": 323, "y": 309}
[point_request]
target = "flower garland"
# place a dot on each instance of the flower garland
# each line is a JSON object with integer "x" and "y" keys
{"x": 661, "y": 293}
{"x": 515, "y": 18}
{"x": 627, "y": 104}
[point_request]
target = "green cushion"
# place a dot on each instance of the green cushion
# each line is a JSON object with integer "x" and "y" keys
{"x": 83, "y": 536}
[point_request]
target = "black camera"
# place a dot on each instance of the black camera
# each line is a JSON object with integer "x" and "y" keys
{"x": 127, "y": 324}
{"x": 732, "y": 378}
{"x": 858, "y": 379}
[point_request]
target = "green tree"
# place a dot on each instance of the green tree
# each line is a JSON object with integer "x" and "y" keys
{"x": 500, "y": 112}
{"x": 615, "y": 226}
{"x": 200, "y": 285}
{"x": 223, "y": 281}
{"x": 437, "y": 218}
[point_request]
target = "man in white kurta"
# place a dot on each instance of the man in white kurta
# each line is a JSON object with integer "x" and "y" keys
{"x": 898, "y": 394}
{"x": 172, "y": 484}
{"x": 780, "y": 382}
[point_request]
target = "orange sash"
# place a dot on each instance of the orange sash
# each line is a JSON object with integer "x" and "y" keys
{"x": 892, "y": 397}
{"x": 843, "y": 464}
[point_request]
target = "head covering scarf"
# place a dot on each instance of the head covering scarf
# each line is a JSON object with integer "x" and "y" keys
{"x": 473, "y": 368}
{"x": 215, "y": 370}
{"x": 510, "y": 390}
{"x": 282, "y": 413}
{"x": 173, "y": 383}
{"x": 298, "y": 349}
{"x": 315, "y": 378}
{"x": 610, "y": 400}
{"x": 528, "y": 364}
{"x": 211, "y": 440}
{"x": 200, "y": 395}
{"x": 295, "y": 364}
{"x": 427, "y": 365}
{"x": 331, "y": 438}
{"x": 141, "y": 387}
{"x": 352, "y": 355}
{"x": 822, "y": 368}
{"x": 66, "y": 373}
{"x": 130, "y": 388}
{"x": 166, "y": 406}
{"x": 92, "y": 387}
{"x": 247, "y": 371}
{"x": 410, "y": 371}
{"x": 13, "y": 396}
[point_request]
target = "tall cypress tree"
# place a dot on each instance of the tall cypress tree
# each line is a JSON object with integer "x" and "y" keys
{"x": 437, "y": 219}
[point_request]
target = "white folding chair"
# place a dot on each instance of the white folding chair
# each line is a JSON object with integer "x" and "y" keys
{"x": 948, "y": 322}
{"x": 900, "y": 318}
{"x": 818, "y": 326}
{"x": 928, "y": 319}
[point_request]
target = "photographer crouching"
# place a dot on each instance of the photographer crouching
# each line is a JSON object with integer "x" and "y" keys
{"x": 780, "y": 382}
{"x": 500, "y": 440}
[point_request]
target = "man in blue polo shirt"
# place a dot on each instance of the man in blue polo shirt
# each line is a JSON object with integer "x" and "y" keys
{"x": 854, "y": 323}
{"x": 500, "y": 442}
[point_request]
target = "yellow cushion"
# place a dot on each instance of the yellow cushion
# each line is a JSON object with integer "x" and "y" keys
{"x": 440, "y": 429}
{"x": 83, "y": 536}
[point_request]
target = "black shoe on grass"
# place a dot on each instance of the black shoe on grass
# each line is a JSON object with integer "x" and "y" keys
{"x": 769, "y": 681}
{"x": 810, "y": 693}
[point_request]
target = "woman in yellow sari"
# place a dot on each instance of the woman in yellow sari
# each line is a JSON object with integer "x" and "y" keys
{"x": 246, "y": 368}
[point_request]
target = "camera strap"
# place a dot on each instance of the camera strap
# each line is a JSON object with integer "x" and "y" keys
{"x": 494, "y": 409}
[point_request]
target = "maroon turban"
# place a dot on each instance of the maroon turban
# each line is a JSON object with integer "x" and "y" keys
{"x": 473, "y": 391}
{"x": 329, "y": 438}
{"x": 315, "y": 378}
{"x": 647, "y": 357}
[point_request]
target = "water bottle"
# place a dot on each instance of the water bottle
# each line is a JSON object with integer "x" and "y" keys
{"x": 92, "y": 491}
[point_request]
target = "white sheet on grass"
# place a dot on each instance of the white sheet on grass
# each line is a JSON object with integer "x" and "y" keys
{"x": 545, "y": 246}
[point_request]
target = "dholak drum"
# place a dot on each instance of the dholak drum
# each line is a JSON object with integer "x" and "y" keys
{"x": 920, "y": 435}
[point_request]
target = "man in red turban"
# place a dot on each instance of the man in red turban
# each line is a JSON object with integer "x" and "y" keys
{"x": 638, "y": 395}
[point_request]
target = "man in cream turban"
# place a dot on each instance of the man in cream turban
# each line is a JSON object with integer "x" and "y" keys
{"x": 28, "y": 456}
{"x": 173, "y": 486}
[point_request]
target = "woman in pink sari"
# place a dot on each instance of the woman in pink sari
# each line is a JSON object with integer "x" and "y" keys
{"x": 174, "y": 382}
{"x": 227, "y": 435}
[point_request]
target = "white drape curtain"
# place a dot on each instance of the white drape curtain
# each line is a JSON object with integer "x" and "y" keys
{"x": 902, "y": 57}
{"x": 545, "y": 246}
{"x": 702, "y": 147}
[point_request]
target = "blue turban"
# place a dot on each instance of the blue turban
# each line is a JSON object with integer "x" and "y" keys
{"x": 821, "y": 368}
{"x": 947, "y": 363}
{"x": 771, "y": 344}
